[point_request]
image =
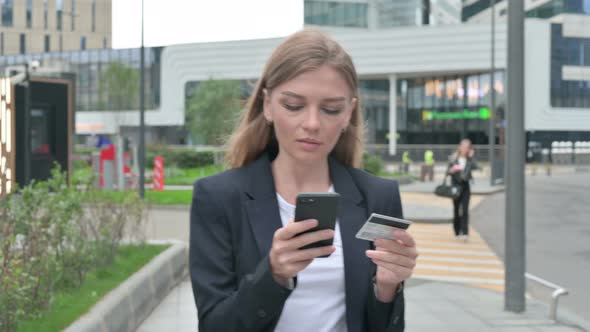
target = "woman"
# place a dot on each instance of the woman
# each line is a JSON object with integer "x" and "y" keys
{"x": 301, "y": 132}
{"x": 460, "y": 167}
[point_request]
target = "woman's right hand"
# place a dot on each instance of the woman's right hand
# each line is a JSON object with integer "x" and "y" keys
{"x": 286, "y": 259}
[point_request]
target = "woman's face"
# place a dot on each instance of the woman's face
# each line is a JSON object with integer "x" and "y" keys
{"x": 464, "y": 148}
{"x": 309, "y": 113}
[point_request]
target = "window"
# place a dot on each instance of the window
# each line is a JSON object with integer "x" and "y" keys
{"x": 93, "y": 15}
{"x": 82, "y": 43}
{"x": 47, "y": 43}
{"x": 45, "y": 14}
{"x": 73, "y": 15}
{"x": 29, "y": 13}
{"x": 7, "y": 12}
{"x": 61, "y": 43}
{"x": 568, "y": 51}
{"x": 23, "y": 42}
{"x": 104, "y": 42}
{"x": 336, "y": 14}
{"x": 1, "y": 43}
{"x": 59, "y": 17}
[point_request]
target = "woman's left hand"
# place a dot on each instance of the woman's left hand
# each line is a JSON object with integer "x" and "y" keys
{"x": 395, "y": 260}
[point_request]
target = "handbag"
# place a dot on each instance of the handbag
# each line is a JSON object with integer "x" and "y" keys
{"x": 447, "y": 190}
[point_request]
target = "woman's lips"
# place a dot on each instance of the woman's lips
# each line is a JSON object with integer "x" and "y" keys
{"x": 309, "y": 144}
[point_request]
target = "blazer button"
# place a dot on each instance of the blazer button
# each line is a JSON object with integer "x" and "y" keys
{"x": 261, "y": 313}
{"x": 396, "y": 319}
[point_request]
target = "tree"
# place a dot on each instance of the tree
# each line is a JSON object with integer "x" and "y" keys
{"x": 211, "y": 112}
{"x": 122, "y": 85}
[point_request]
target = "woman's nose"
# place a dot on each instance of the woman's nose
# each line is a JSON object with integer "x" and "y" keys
{"x": 312, "y": 119}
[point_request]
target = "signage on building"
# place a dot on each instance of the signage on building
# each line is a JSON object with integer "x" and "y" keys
{"x": 482, "y": 114}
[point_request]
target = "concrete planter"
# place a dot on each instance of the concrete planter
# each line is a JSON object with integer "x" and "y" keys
{"x": 125, "y": 307}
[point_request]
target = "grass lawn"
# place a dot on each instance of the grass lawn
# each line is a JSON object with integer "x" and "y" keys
{"x": 187, "y": 176}
{"x": 172, "y": 175}
{"x": 69, "y": 304}
{"x": 168, "y": 197}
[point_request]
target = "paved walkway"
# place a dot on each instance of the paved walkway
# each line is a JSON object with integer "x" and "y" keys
{"x": 430, "y": 306}
{"x": 456, "y": 286}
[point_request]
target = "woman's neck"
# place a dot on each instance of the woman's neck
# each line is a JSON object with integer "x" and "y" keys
{"x": 291, "y": 178}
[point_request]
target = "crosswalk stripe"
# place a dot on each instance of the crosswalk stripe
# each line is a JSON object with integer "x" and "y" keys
{"x": 450, "y": 251}
{"x": 448, "y": 262}
{"x": 468, "y": 269}
{"x": 466, "y": 280}
{"x": 444, "y": 258}
{"x": 454, "y": 247}
{"x": 453, "y": 243}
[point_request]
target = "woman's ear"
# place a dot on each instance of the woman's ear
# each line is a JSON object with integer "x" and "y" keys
{"x": 266, "y": 105}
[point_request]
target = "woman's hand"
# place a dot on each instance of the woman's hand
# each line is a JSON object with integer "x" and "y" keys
{"x": 455, "y": 169}
{"x": 395, "y": 260}
{"x": 286, "y": 259}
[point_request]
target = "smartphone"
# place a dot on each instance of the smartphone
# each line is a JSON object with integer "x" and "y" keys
{"x": 320, "y": 206}
{"x": 381, "y": 226}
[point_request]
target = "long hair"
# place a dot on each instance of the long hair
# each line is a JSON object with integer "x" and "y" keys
{"x": 455, "y": 155}
{"x": 303, "y": 51}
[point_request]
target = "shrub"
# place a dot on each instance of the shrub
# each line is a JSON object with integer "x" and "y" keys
{"x": 372, "y": 164}
{"x": 181, "y": 158}
{"x": 51, "y": 235}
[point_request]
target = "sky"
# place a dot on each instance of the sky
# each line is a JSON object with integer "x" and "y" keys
{"x": 168, "y": 22}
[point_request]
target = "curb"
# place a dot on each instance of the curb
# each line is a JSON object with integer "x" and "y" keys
{"x": 171, "y": 207}
{"x": 429, "y": 220}
{"x": 126, "y": 307}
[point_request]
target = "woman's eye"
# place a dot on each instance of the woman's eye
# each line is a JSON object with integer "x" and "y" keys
{"x": 331, "y": 111}
{"x": 293, "y": 107}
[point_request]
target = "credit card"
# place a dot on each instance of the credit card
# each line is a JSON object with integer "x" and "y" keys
{"x": 380, "y": 226}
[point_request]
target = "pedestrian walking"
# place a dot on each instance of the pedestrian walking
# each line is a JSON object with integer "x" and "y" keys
{"x": 301, "y": 131}
{"x": 462, "y": 163}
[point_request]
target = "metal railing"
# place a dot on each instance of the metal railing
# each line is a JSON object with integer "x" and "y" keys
{"x": 441, "y": 153}
{"x": 558, "y": 291}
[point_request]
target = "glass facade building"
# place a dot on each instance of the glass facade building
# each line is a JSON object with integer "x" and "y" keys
{"x": 106, "y": 80}
{"x": 442, "y": 110}
{"x": 546, "y": 10}
{"x": 438, "y": 110}
{"x": 340, "y": 14}
{"x": 568, "y": 51}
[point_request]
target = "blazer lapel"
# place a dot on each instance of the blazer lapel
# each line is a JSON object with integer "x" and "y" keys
{"x": 357, "y": 268}
{"x": 261, "y": 203}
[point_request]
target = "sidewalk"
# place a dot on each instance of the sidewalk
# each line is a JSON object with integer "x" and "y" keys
{"x": 456, "y": 286}
{"x": 430, "y": 306}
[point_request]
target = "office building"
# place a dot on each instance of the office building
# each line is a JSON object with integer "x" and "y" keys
{"x": 419, "y": 84}
{"x": 42, "y": 26}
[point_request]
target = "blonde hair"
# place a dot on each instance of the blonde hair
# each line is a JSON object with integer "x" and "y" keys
{"x": 455, "y": 155}
{"x": 303, "y": 51}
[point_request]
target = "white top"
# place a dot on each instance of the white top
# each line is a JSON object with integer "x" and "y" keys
{"x": 318, "y": 303}
{"x": 462, "y": 162}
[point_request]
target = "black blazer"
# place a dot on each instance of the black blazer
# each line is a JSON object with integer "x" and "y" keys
{"x": 464, "y": 177}
{"x": 233, "y": 218}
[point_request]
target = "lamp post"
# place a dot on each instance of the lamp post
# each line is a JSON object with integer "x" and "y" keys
{"x": 27, "y": 126}
{"x": 492, "y": 121}
{"x": 141, "y": 149}
{"x": 514, "y": 299}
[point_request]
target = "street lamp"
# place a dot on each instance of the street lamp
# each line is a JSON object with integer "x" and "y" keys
{"x": 514, "y": 296}
{"x": 141, "y": 150}
{"x": 492, "y": 136}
